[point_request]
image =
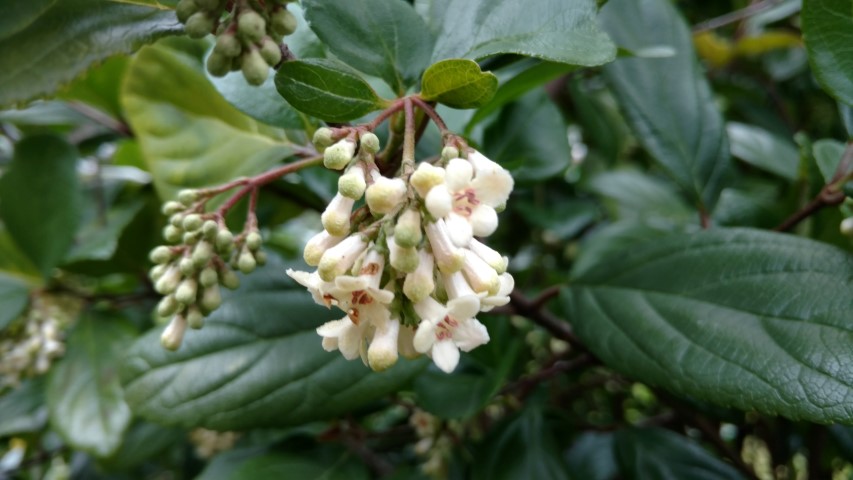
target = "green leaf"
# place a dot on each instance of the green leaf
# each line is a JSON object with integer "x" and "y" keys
{"x": 827, "y": 154}
{"x": 40, "y": 199}
{"x": 84, "y": 395}
{"x": 846, "y": 112}
{"x": 661, "y": 454}
{"x": 764, "y": 150}
{"x": 591, "y": 457}
{"x": 529, "y": 139}
{"x": 98, "y": 239}
{"x": 326, "y": 89}
{"x": 668, "y": 101}
{"x": 383, "y": 38}
{"x": 828, "y": 33}
{"x": 100, "y": 86}
{"x": 278, "y": 465}
{"x": 262, "y": 102}
{"x": 458, "y": 83}
{"x": 189, "y": 135}
{"x": 740, "y": 317}
{"x": 631, "y": 194}
{"x": 51, "y": 42}
{"x": 257, "y": 363}
{"x": 612, "y": 239}
{"x": 548, "y": 29}
{"x": 22, "y": 410}
{"x": 14, "y": 297}
{"x": 142, "y": 442}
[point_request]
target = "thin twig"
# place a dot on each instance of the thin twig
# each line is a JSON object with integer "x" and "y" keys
{"x": 101, "y": 118}
{"x": 735, "y": 16}
{"x": 430, "y": 111}
{"x": 558, "y": 366}
{"x": 258, "y": 181}
{"x": 557, "y": 327}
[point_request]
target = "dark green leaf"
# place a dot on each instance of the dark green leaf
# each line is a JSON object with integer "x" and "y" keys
{"x": 40, "y": 199}
{"x": 143, "y": 442}
{"x": 458, "y": 83}
{"x": 846, "y": 112}
{"x": 548, "y": 29}
{"x": 383, "y": 38}
{"x": 740, "y": 317}
{"x": 84, "y": 395}
{"x": 50, "y": 43}
{"x": 280, "y": 465}
{"x": 263, "y": 103}
{"x": 100, "y": 86}
{"x": 98, "y": 239}
{"x": 827, "y": 154}
{"x": 617, "y": 237}
{"x": 561, "y": 221}
{"x": 663, "y": 455}
{"x": 189, "y": 135}
{"x": 668, "y": 101}
{"x": 529, "y": 139}
{"x": 257, "y": 363}
{"x": 22, "y": 410}
{"x": 591, "y": 457}
{"x": 828, "y": 33}
{"x": 764, "y": 150}
{"x": 326, "y": 89}
{"x": 631, "y": 194}
{"x": 14, "y": 296}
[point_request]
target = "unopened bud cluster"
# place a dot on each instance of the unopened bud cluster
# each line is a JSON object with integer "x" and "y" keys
{"x": 209, "y": 443}
{"x": 249, "y": 37}
{"x": 202, "y": 258}
{"x": 29, "y": 345}
{"x": 405, "y": 267}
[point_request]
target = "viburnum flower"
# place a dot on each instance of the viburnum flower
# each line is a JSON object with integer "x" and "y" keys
{"x": 444, "y": 330}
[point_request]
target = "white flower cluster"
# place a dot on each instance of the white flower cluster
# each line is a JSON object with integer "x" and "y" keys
{"x": 408, "y": 272}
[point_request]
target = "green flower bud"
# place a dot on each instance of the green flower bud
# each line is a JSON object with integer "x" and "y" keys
{"x": 228, "y": 279}
{"x": 167, "y": 306}
{"x": 187, "y": 196}
{"x": 186, "y": 266}
{"x": 404, "y": 259}
{"x": 172, "y": 207}
{"x": 211, "y": 299}
{"x": 157, "y": 271}
{"x": 172, "y": 234}
{"x": 352, "y": 183}
{"x": 270, "y": 51}
{"x": 209, "y": 230}
{"x": 251, "y": 26}
{"x": 322, "y": 138}
{"x": 261, "y": 257}
{"x": 173, "y": 335}
{"x": 177, "y": 219}
{"x": 218, "y": 65}
{"x": 195, "y": 319}
{"x": 228, "y": 45}
{"x": 449, "y": 152}
{"x": 191, "y": 238}
{"x": 407, "y": 232}
{"x": 199, "y": 25}
{"x": 253, "y": 241}
{"x": 208, "y": 277}
{"x": 187, "y": 291}
{"x": 184, "y": 9}
{"x": 847, "y": 227}
{"x": 283, "y": 22}
{"x": 192, "y": 222}
{"x": 254, "y": 67}
{"x": 369, "y": 142}
{"x": 202, "y": 253}
{"x": 168, "y": 282}
{"x": 224, "y": 241}
{"x": 339, "y": 155}
{"x": 161, "y": 254}
{"x": 246, "y": 262}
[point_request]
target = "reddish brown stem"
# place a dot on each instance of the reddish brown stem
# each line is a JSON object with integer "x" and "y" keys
{"x": 253, "y": 183}
{"x": 431, "y": 113}
{"x": 395, "y": 107}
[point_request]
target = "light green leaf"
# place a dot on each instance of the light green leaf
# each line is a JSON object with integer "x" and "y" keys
{"x": 189, "y": 135}
{"x": 39, "y": 199}
{"x": 99, "y": 86}
{"x": 22, "y": 410}
{"x": 14, "y": 297}
{"x": 458, "y": 83}
{"x": 658, "y": 453}
{"x": 54, "y": 41}
{"x": 552, "y": 30}
{"x": 529, "y": 139}
{"x": 326, "y": 89}
{"x": 828, "y": 33}
{"x": 257, "y": 363}
{"x": 747, "y": 318}
{"x": 668, "y": 101}
{"x": 383, "y": 38}
{"x": 764, "y": 150}
{"x": 827, "y": 154}
{"x": 84, "y": 395}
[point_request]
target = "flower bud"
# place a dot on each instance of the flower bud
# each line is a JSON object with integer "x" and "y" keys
{"x": 208, "y": 277}
{"x": 157, "y": 272}
{"x": 322, "y": 138}
{"x": 172, "y": 207}
{"x": 448, "y": 257}
{"x": 338, "y": 259}
{"x": 369, "y": 142}
{"x": 336, "y": 217}
{"x": 209, "y": 230}
{"x": 191, "y": 238}
{"x": 177, "y": 219}
{"x": 184, "y": 9}
{"x": 261, "y": 257}
{"x": 489, "y": 255}
{"x": 283, "y": 22}
{"x": 187, "y": 291}
{"x": 251, "y": 26}
{"x": 254, "y": 67}
{"x": 317, "y": 246}
{"x": 847, "y": 227}
{"x": 420, "y": 283}
{"x": 404, "y": 259}
{"x": 339, "y": 155}
{"x": 167, "y": 306}
{"x": 172, "y": 234}
{"x": 187, "y": 196}
{"x": 173, "y": 335}
{"x": 426, "y": 177}
{"x": 385, "y": 195}
{"x": 481, "y": 277}
{"x": 199, "y": 25}
{"x": 195, "y": 319}
{"x": 407, "y": 231}
{"x": 246, "y": 262}
{"x": 228, "y": 45}
{"x": 352, "y": 183}
{"x": 449, "y": 152}
{"x": 270, "y": 51}
{"x": 211, "y": 299}
{"x": 228, "y": 279}
{"x": 224, "y": 241}
{"x": 217, "y": 64}
{"x": 202, "y": 253}
{"x": 382, "y": 352}
{"x": 187, "y": 266}
{"x": 192, "y": 222}
{"x": 253, "y": 240}
{"x": 161, "y": 255}
{"x": 169, "y": 281}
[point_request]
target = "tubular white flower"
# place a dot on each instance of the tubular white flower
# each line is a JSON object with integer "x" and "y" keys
{"x": 448, "y": 256}
{"x": 425, "y": 177}
{"x": 317, "y": 246}
{"x": 501, "y": 298}
{"x": 315, "y": 285}
{"x": 382, "y": 352}
{"x": 420, "y": 283}
{"x": 342, "y": 335}
{"x": 173, "y": 335}
{"x": 336, "y": 216}
{"x": 457, "y": 286}
{"x": 479, "y": 274}
{"x": 352, "y": 184}
{"x": 459, "y": 228}
{"x": 492, "y": 182}
{"x": 360, "y": 296}
{"x": 338, "y": 259}
{"x": 386, "y": 195}
{"x": 489, "y": 255}
{"x": 444, "y": 330}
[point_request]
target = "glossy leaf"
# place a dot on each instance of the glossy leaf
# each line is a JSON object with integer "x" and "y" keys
{"x": 84, "y": 395}
{"x": 548, "y": 29}
{"x": 22, "y": 410}
{"x": 631, "y": 194}
{"x": 383, "y": 38}
{"x": 458, "y": 83}
{"x": 257, "y": 363}
{"x": 14, "y": 297}
{"x": 326, "y": 89}
{"x": 664, "y": 455}
{"x": 827, "y": 154}
{"x": 189, "y": 135}
{"x": 828, "y": 33}
{"x": 734, "y": 316}
{"x": 668, "y": 101}
{"x": 44, "y": 45}
{"x": 764, "y": 150}
{"x": 41, "y": 202}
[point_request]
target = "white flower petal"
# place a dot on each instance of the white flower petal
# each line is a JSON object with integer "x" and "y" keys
{"x": 484, "y": 220}
{"x": 350, "y": 342}
{"x": 460, "y": 229}
{"x": 424, "y": 336}
{"x": 439, "y": 201}
{"x": 470, "y": 334}
{"x": 430, "y": 309}
{"x": 445, "y": 354}
{"x": 334, "y": 328}
{"x": 463, "y": 307}
{"x": 459, "y": 174}
{"x": 382, "y": 353}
